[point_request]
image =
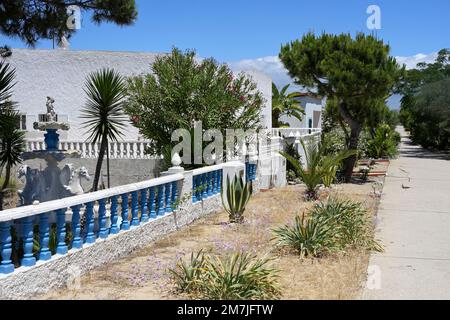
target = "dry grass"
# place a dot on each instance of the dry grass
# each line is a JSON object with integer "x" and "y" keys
{"x": 143, "y": 275}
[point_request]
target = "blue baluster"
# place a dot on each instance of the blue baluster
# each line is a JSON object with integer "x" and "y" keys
{"x": 194, "y": 189}
{"x": 114, "y": 215}
{"x": 77, "y": 242}
{"x": 175, "y": 194}
{"x": 161, "y": 209}
{"x": 90, "y": 223}
{"x": 44, "y": 236}
{"x": 125, "y": 223}
{"x": 209, "y": 181}
{"x": 204, "y": 186}
{"x": 144, "y": 210}
{"x": 28, "y": 259}
{"x": 6, "y": 266}
{"x": 103, "y": 232}
{"x": 61, "y": 247}
{"x": 152, "y": 201}
{"x": 220, "y": 180}
{"x": 168, "y": 198}
{"x": 216, "y": 182}
{"x": 198, "y": 186}
{"x": 135, "y": 209}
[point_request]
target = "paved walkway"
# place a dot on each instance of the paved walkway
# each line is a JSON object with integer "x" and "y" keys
{"x": 414, "y": 226}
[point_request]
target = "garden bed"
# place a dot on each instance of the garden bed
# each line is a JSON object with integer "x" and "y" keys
{"x": 143, "y": 275}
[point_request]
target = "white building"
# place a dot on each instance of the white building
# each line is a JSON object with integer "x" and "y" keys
{"x": 61, "y": 74}
{"x": 313, "y": 106}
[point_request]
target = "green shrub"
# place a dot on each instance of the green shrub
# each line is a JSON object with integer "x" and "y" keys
{"x": 237, "y": 277}
{"x": 238, "y": 195}
{"x": 384, "y": 143}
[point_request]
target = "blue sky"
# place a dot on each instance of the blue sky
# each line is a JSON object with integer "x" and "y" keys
{"x": 232, "y": 30}
{"x": 248, "y": 33}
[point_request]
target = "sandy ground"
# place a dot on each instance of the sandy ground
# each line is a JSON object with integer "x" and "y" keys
{"x": 143, "y": 275}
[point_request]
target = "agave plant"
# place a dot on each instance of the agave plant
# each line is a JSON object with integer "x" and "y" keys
{"x": 236, "y": 197}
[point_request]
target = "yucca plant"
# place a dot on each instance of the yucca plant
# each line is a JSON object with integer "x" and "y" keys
{"x": 350, "y": 221}
{"x": 103, "y": 113}
{"x": 240, "y": 277}
{"x": 235, "y": 198}
{"x": 237, "y": 277}
{"x": 187, "y": 275}
{"x": 308, "y": 236}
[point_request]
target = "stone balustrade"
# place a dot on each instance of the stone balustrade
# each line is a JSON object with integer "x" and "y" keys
{"x": 132, "y": 204}
{"x": 88, "y": 150}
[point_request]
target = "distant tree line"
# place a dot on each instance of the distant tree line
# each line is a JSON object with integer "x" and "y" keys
{"x": 425, "y": 106}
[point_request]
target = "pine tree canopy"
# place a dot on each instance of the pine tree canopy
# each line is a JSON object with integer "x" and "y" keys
{"x": 33, "y": 20}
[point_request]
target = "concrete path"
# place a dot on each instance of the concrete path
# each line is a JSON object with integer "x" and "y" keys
{"x": 414, "y": 226}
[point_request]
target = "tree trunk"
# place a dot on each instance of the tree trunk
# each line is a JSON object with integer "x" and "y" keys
{"x": 5, "y": 186}
{"x": 352, "y": 144}
{"x": 98, "y": 168}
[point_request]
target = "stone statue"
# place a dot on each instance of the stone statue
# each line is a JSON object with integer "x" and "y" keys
{"x": 51, "y": 114}
{"x": 71, "y": 179}
{"x": 35, "y": 186}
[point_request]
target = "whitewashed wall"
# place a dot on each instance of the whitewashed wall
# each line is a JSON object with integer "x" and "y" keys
{"x": 61, "y": 74}
{"x": 311, "y": 105}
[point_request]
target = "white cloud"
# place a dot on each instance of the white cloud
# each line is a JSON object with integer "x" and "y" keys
{"x": 411, "y": 62}
{"x": 273, "y": 67}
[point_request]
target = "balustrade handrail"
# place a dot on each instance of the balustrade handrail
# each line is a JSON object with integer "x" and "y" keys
{"x": 207, "y": 169}
{"x": 34, "y": 210}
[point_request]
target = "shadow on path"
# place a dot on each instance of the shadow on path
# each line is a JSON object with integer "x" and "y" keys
{"x": 410, "y": 150}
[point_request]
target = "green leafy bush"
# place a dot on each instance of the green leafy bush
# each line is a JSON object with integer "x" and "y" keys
{"x": 237, "y": 277}
{"x": 384, "y": 143}
{"x": 236, "y": 197}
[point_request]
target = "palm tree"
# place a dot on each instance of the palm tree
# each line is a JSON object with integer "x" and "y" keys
{"x": 105, "y": 118}
{"x": 12, "y": 140}
{"x": 284, "y": 104}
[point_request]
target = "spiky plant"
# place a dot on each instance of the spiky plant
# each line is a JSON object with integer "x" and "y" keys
{"x": 308, "y": 236}
{"x": 236, "y": 197}
{"x": 187, "y": 274}
{"x": 311, "y": 175}
{"x": 12, "y": 140}
{"x": 103, "y": 112}
{"x": 237, "y": 277}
